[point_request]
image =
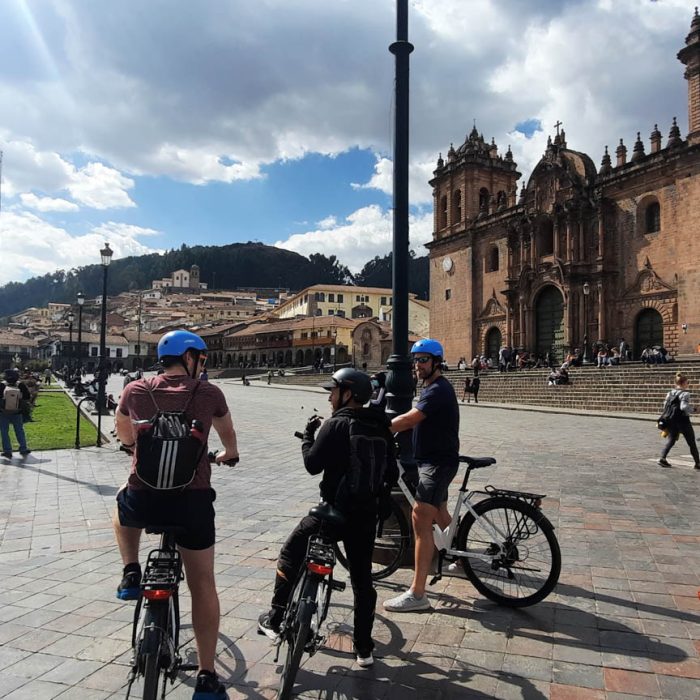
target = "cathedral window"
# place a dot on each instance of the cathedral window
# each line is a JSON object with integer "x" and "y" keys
{"x": 545, "y": 239}
{"x": 492, "y": 259}
{"x": 443, "y": 211}
{"x": 457, "y": 213}
{"x": 501, "y": 200}
{"x": 652, "y": 218}
{"x": 448, "y": 294}
{"x": 484, "y": 197}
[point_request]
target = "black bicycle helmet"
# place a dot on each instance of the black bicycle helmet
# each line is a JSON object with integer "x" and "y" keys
{"x": 357, "y": 382}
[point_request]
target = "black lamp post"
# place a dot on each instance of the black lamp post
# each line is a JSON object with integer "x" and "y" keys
{"x": 335, "y": 347}
{"x": 586, "y": 292}
{"x": 399, "y": 380}
{"x": 71, "y": 352}
{"x": 81, "y": 301}
{"x": 102, "y": 372}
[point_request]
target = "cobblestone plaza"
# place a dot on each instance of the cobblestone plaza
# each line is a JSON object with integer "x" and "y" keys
{"x": 624, "y": 621}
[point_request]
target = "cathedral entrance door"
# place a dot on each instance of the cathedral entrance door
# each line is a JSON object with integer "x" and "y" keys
{"x": 493, "y": 345}
{"x": 648, "y": 331}
{"x": 549, "y": 323}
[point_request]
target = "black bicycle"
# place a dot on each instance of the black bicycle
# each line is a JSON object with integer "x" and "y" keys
{"x": 155, "y": 636}
{"x": 306, "y": 611}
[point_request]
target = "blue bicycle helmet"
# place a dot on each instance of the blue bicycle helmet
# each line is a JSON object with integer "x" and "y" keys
{"x": 177, "y": 343}
{"x": 428, "y": 346}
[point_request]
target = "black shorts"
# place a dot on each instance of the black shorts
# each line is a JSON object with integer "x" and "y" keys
{"x": 433, "y": 481}
{"x": 191, "y": 509}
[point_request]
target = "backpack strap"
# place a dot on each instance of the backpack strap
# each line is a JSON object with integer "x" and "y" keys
{"x": 150, "y": 388}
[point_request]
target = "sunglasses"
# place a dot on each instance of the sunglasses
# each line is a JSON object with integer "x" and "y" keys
{"x": 421, "y": 360}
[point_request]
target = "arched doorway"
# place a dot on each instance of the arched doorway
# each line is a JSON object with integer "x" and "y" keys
{"x": 494, "y": 340}
{"x": 549, "y": 323}
{"x": 648, "y": 330}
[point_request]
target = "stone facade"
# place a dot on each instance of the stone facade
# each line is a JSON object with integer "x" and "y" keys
{"x": 582, "y": 254}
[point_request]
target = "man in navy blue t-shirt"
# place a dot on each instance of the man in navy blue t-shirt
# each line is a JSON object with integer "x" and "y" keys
{"x": 435, "y": 425}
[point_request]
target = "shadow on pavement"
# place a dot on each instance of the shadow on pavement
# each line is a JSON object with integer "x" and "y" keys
{"x": 101, "y": 489}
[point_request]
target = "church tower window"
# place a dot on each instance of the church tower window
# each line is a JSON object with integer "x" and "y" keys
{"x": 652, "y": 218}
{"x": 443, "y": 211}
{"x": 457, "y": 213}
{"x": 484, "y": 197}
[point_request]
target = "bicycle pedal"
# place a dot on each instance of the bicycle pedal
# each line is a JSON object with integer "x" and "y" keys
{"x": 338, "y": 585}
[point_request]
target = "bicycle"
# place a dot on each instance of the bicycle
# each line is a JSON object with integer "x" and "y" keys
{"x": 306, "y": 611}
{"x": 155, "y": 636}
{"x": 506, "y": 545}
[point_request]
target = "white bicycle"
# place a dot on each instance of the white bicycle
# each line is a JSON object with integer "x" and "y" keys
{"x": 504, "y": 542}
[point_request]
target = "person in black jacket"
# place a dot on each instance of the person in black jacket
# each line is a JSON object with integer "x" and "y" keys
{"x": 329, "y": 454}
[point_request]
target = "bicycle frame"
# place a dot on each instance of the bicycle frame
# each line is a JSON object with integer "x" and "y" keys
{"x": 443, "y": 539}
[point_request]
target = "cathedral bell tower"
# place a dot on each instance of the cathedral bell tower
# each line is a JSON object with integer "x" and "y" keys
{"x": 689, "y": 56}
{"x": 474, "y": 182}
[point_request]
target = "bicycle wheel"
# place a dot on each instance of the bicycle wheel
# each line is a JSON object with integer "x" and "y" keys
{"x": 514, "y": 554}
{"x": 392, "y": 538}
{"x": 297, "y": 637}
{"x": 151, "y": 648}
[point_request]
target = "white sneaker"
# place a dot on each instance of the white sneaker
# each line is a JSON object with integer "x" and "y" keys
{"x": 365, "y": 661}
{"x": 454, "y": 567}
{"x": 407, "y": 602}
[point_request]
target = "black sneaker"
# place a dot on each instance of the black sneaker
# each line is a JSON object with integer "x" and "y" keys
{"x": 209, "y": 687}
{"x": 663, "y": 462}
{"x": 130, "y": 586}
{"x": 7, "y": 455}
{"x": 268, "y": 626}
{"x": 25, "y": 453}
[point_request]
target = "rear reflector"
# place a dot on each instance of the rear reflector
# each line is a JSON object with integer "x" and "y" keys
{"x": 319, "y": 569}
{"x": 158, "y": 594}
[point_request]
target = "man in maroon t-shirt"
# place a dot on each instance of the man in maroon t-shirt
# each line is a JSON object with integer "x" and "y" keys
{"x": 183, "y": 356}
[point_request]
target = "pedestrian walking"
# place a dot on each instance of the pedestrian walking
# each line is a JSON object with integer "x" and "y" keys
{"x": 15, "y": 397}
{"x": 679, "y": 422}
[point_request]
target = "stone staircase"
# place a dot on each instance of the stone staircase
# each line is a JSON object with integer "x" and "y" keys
{"x": 629, "y": 388}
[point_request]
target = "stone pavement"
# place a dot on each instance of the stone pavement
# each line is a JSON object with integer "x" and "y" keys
{"x": 624, "y": 621}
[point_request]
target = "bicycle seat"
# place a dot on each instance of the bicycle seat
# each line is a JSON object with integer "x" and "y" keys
{"x": 477, "y": 462}
{"x": 327, "y": 513}
{"x": 160, "y": 529}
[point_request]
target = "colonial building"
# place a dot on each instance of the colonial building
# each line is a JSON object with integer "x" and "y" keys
{"x": 181, "y": 281}
{"x": 582, "y": 253}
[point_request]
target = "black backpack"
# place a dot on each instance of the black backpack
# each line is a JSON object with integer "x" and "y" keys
{"x": 671, "y": 415}
{"x": 167, "y": 453}
{"x": 368, "y": 461}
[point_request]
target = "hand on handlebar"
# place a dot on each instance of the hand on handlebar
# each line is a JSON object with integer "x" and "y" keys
{"x": 224, "y": 457}
{"x": 312, "y": 425}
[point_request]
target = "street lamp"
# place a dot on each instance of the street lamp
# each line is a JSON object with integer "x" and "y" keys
{"x": 102, "y": 372}
{"x": 586, "y": 292}
{"x": 71, "y": 353}
{"x": 399, "y": 380}
{"x": 335, "y": 347}
{"x": 81, "y": 301}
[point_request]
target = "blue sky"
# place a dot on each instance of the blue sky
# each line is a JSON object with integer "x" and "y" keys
{"x": 271, "y": 120}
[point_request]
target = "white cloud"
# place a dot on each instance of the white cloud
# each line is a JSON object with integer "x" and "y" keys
{"x": 328, "y": 222}
{"x": 419, "y": 174}
{"x": 33, "y": 246}
{"x": 364, "y": 234}
{"x": 101, "y": 187}
{"x": 31, "y": 201}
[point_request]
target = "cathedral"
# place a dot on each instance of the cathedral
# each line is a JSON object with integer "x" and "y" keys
{"x": 581, "y": 254}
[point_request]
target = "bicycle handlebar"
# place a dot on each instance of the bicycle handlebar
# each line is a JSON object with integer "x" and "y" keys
{"x": 229, "y": 462}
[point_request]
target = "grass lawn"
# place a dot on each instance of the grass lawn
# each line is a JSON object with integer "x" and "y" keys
{"x": 53, "y": 425}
